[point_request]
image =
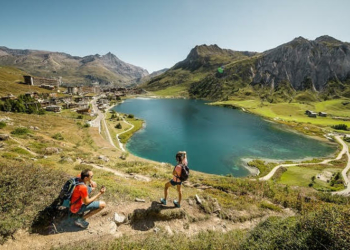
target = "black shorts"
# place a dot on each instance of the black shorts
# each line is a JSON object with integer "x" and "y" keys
{"x": 174, "y": 183}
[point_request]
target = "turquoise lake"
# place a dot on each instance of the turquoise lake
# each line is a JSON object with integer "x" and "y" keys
{"x": 216, "y": 139}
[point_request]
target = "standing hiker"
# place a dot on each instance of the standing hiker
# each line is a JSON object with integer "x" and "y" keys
{"x": 179, "y": 176}
{"x": 80, "y": 201}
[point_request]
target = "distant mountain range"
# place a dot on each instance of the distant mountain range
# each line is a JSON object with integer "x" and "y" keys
{"x": 320, "y": 67}
{"x": 106, "y": 69}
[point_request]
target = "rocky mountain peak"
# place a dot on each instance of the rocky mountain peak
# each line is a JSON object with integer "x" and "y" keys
{"x": 327, "y": 39}
{"x": 110, "y": 57}
{"x": 300, "y": 39}
{"x": 205, "y": 50}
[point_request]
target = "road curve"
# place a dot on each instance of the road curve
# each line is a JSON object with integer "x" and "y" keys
{"x": 345, "y": 150}
{"x": 121, "y": 144}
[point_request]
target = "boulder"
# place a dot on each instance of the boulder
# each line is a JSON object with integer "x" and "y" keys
{"x": 103, "y": 158}
{"x": 169, "y": 231}
{"x": 119, "y": 219}
{"x": 216, "y": 206}
{"x": 139, "y": 200}
{"x": 198, "y": 200}
{"x": 112, "y": 227}
{"x": 52, "y": 150}
{"x": 4, "y": 137}
{"x": 66, "y": 159}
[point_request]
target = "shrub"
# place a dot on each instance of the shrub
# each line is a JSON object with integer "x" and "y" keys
{"x": 25, "y": 190}
{"x": 325, "y": 228}
{"x": 80, "y": 117}
{"x": 19, "y": 105}
{"x": 130, "y": 116}
{"x": 9, "y": 155}
{"x": 2, "y": 124}
{"x": 57, "y": 136}
{"x": 340, "y": 127}
{"x": 20, "y": 131}
{"x": 270, "y": 206}
{"x": 86, "y": 125}
{"x": 118, "y": 126}
{"x": 21, "y": 151}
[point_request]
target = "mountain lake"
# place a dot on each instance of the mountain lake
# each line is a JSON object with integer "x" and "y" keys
{"x": 217, "y": 140}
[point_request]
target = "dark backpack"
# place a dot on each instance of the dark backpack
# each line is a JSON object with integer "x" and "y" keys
{"x": 67, "y": 191}
{"x": 185, "y": 172}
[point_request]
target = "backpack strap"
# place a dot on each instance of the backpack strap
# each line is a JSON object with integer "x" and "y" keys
{"x": 80, "y": 183}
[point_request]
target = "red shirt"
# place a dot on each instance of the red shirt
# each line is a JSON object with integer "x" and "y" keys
{"x": 80, "y": 192}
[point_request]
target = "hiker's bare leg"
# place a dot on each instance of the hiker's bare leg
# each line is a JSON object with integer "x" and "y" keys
{"x": 91, "y": 213}
{"x": 166, "y": 187}
{"x": 180, "y": 193}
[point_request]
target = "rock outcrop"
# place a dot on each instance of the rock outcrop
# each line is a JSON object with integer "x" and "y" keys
{"x": 321, "y": 60}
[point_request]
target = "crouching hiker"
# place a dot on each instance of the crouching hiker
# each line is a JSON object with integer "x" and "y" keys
{"x": 180, "y": 173}
{"x": 80, "y": 201}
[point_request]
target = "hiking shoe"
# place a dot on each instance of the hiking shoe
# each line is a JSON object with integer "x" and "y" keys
{"x": 80, "y": 222}
{"x": 163, "y": 201}
{"x": 176, "y": 203}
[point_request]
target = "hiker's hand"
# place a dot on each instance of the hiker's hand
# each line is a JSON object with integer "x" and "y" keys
{"x": 93, "y": 185}
{"x": 103, "y": 189}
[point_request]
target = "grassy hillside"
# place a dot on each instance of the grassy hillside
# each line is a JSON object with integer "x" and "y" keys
{"x": 235, "y": 213}
{"x": 10, "y": 78}
{"x": 202, "y": 63}
{"x": 25, "y": 159}
{"x": 294, "y": 113}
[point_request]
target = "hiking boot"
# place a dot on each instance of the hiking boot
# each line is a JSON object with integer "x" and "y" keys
{"x": 80, "y": 222}
{"x": 176, "y": 203}
{"x": 163, "y": 201}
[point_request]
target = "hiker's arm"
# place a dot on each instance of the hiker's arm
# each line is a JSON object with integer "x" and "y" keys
{"x": 88, "y": 200}
{"x": 174, "y": 173}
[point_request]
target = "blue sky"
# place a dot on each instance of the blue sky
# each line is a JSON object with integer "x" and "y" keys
{"x": 156, "y": 34}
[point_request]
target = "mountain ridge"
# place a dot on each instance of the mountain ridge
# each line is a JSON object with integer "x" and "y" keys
{"x": 105, "y": 69}
{"x": 321, "y": 66}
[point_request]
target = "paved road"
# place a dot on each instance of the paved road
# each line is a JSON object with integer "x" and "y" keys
{"x": 345, "y": 150}
{"x": 97, "y": 122}
{"x": 101, "y": 118}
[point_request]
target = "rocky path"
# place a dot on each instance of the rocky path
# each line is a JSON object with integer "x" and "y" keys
{"x": 164, "y": 220}
{"x": 129, "y": 176}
